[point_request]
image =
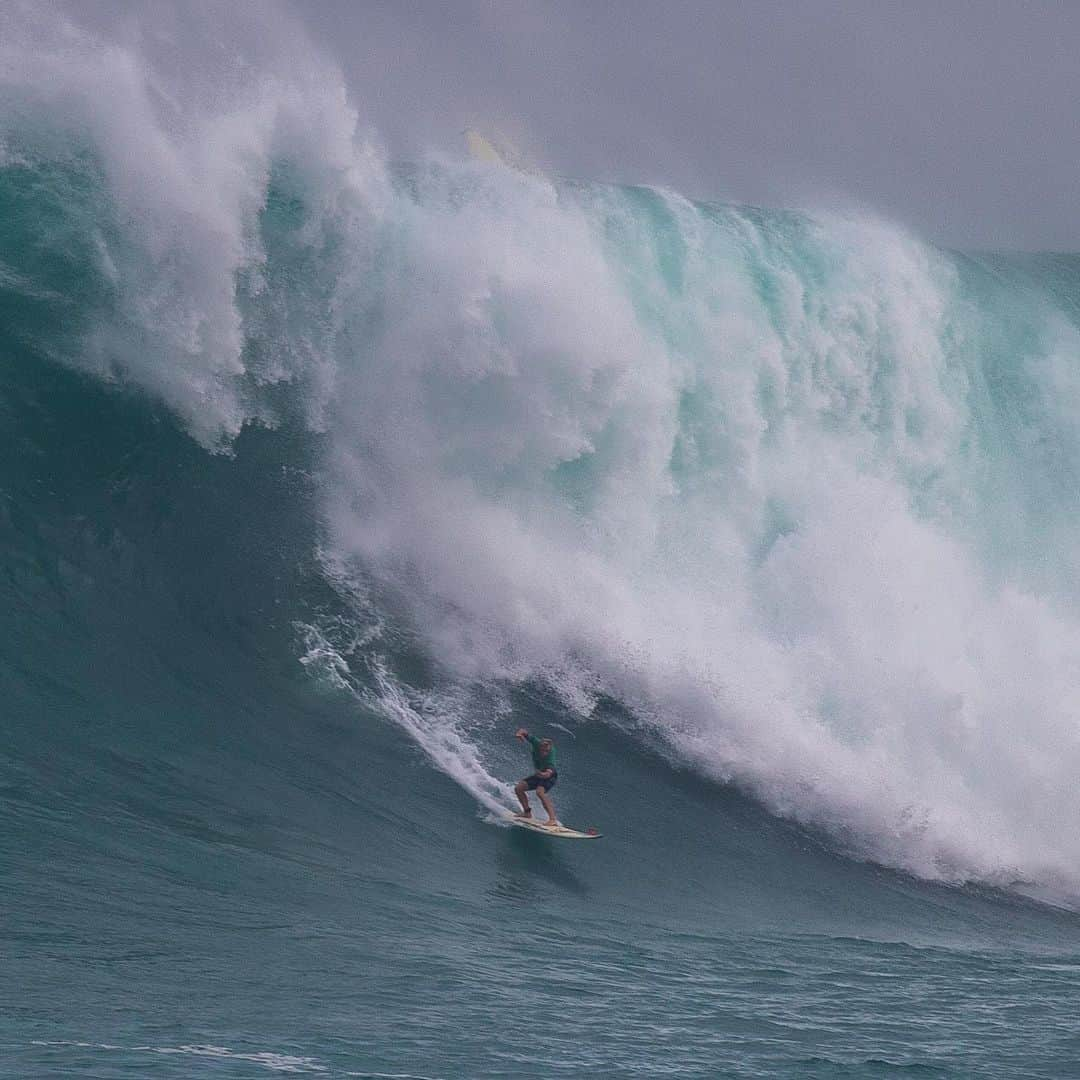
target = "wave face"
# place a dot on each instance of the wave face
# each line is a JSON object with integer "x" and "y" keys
{"x": 315, "y": 458}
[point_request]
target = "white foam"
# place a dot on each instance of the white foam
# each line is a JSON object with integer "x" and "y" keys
{"x": 267, "y": 1059}
{"x": 801, "y": 605}
{"x": 439, "y": 723}
{"x": 184, "y": 129}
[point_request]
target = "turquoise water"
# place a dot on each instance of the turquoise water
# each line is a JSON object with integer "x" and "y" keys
{"x": 322, "y": 474}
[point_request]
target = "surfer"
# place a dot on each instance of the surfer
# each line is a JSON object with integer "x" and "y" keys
{"x": 543, "y": 778}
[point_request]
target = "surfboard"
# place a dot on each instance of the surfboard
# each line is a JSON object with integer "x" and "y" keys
{"x": 561, "y": 831}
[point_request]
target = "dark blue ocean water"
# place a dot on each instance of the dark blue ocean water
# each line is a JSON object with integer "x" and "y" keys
{"x": 320, "y": 475}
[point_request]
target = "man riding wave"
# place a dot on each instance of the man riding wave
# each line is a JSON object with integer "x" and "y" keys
{"x": 543, "y": 778}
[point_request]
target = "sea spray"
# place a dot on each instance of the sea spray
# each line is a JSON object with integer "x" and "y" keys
{"x": 729, "y": 470}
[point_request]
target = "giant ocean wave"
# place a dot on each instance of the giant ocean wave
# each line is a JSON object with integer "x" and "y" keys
{"x": 788, "y": 498}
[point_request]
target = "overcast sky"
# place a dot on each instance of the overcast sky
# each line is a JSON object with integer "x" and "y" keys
{"x": 960, "y": 119}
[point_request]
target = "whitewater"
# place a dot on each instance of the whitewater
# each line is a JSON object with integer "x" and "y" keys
{"x": 326, "y": 471}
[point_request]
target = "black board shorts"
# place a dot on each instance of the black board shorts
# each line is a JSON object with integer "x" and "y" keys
{"x": 546, "y": 782}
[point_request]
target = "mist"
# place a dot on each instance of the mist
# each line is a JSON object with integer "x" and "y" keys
{"x": 955, "y": 119}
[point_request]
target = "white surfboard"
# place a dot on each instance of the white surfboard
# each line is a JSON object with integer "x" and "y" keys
{"x": 559, "y": 830}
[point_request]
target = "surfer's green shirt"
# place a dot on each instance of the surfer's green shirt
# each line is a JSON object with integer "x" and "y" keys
{"x": 540, "y": 759}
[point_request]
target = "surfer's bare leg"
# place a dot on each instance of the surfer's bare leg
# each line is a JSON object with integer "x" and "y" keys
{"x": 519, "y": 791}
{"x": 542, "y": 795}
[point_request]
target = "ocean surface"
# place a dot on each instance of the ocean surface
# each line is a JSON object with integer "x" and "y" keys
{"x": 321, "y": 473}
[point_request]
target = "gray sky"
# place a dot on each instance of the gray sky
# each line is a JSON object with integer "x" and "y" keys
{"x": 960, "y": 119}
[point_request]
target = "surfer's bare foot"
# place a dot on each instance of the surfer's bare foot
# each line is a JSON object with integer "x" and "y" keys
{"x": 551, "y": 823}
{"x": 523, "y": 813}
